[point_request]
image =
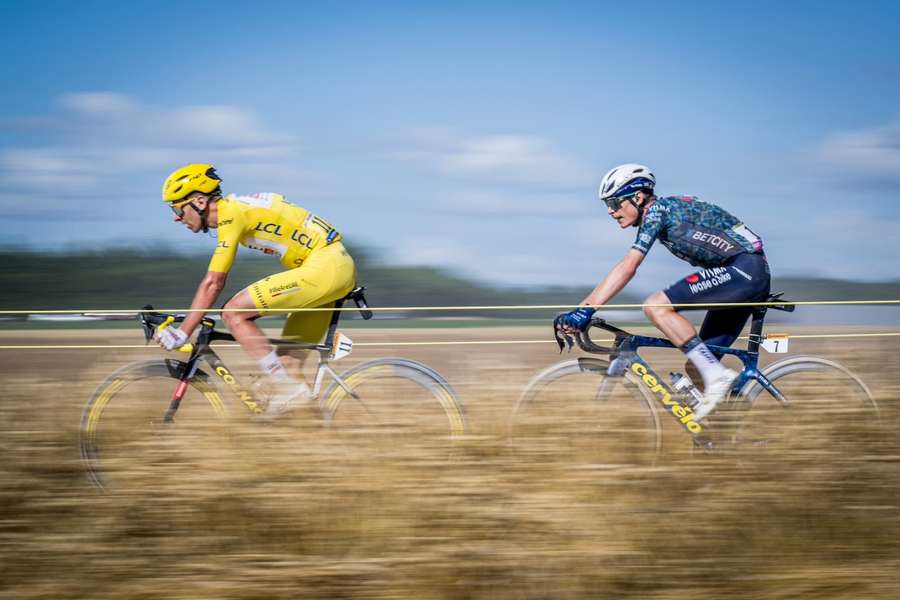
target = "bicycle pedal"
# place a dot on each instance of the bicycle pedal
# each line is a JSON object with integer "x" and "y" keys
{"x": 704, "y": 442}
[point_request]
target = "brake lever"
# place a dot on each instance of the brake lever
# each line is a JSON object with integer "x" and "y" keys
{"x": 562, "y": 339}
{"x": 187, "y": 348}
{"x": 148, "y": 329}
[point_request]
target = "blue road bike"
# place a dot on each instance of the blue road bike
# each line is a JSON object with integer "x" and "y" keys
{"x": 606, "y": 411}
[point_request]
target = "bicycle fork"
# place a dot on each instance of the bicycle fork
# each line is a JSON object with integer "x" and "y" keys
{"x": 180, "y": 390}
{"x": 177, "y": 395}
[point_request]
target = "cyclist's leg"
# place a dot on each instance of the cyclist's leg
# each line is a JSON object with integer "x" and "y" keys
{"x": 309, "y": 327}
{"x": 661, "y": 312}
{"x": 745, "y": 278}
{"x": 240, "y": 315}
{"x": 241, "y": 323}
{"x": 326, "y": 276}
{"x": 720, "y": 328}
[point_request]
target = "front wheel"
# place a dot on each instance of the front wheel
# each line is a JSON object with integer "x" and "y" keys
{"x": 125, "y": 435}
{"x": 573, "y": 415}
{"x": 392, "y": 403}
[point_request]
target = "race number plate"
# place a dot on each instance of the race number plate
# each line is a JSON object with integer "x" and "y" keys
{"x": 342, "y": 346}
{"x": 776, "y": 343}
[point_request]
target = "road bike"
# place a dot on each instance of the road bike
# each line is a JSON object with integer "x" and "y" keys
{"x": 136, "y": 410}
{"x": 605, "y": 413}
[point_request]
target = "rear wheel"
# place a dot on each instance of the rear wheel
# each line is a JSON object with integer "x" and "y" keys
{"x": 124, "y": 437}
{"x": 825, "y": 415}
{"x": 394, "y": 405}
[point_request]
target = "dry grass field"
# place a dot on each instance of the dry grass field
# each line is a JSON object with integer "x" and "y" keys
{"x": 293, "y": 510}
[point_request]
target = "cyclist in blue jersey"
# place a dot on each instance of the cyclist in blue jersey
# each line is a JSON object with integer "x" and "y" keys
{"x": 732, "y": 268}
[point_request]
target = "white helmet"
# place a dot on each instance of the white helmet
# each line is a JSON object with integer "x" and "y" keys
{"x": 625, "y": 180}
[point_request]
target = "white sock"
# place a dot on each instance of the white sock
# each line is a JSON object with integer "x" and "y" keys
{"x": 706, "y": 362}
{"x": 273, "y": 367}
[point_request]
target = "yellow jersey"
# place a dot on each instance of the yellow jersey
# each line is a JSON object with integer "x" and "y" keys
{"x": 269, "y": 223}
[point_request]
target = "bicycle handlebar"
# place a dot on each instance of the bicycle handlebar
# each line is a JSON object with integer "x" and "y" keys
{"x": 583, "y": 337}
{"x": 153, "y": 322}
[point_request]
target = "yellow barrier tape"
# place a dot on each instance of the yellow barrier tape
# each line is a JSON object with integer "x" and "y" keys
{"x": 438, "y": 343}
{"x": 100, "y": 312}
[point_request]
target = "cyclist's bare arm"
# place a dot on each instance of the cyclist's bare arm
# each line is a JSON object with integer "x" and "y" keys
{"x": 616, "y": 279}
{"x": 207, "y": 293}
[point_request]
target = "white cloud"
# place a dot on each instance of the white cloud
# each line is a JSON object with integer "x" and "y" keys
{"x": 101, "y": 104}
{"x": 514, "y": 203}
{"x": 506, "y": 159}
{"x": 431, "y": 250}
{"x": 873, "y": 152}
{"x": 103, "y": 142}
{"x": 851, "y": 244}
{"x": 46, "y": 170}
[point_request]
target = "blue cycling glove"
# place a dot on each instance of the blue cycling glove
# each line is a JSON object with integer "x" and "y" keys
{"x": 578, "y": 318}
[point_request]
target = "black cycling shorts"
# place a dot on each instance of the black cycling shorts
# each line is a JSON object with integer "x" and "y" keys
{"x": 745, "y": 279}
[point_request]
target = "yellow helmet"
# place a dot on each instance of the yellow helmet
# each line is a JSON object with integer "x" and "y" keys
{"x": 190, "y": 179}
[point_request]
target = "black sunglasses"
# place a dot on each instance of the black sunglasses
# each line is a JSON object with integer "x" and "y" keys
{"x": 179, "y": 210}
{"x": 615, "y": 204}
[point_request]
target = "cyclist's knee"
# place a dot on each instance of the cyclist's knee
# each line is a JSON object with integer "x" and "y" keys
{"x": 234, "y": 317}
{"x": 656, "y": 304}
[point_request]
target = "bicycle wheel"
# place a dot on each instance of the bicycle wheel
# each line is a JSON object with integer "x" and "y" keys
{"x": 571, "y": 414}
{"x": 123, "y": 436}
{"x": 391, "y": 404}
{"x": 826, "y": 413}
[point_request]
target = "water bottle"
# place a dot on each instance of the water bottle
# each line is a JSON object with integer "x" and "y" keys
{"x": 683, "y": 385}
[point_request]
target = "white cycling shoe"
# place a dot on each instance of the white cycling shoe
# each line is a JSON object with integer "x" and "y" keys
{"x": 715, "y": 392}
{"x": 289, "y": 398}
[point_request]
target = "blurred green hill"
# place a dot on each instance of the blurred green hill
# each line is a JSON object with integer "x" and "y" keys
{"x": 129, "y": 278}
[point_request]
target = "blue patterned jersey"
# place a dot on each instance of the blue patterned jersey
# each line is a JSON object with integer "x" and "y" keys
{"x": 701, "y": 233}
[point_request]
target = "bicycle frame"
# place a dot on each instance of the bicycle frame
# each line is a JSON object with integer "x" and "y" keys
{"x": 624, "y": 357}
{"x": 202, "y": 351}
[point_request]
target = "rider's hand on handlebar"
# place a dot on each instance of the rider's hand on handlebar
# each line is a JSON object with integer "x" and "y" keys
{"x": 171, "y": 338}
{"x": 576, "y": 320}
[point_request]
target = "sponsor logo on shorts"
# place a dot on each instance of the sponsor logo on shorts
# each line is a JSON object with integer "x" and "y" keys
{"x": 708, "y": 279}
{"x": 258, "y": 295}
{"x": 281, "y": 290}
{"x": 742, "y": 273}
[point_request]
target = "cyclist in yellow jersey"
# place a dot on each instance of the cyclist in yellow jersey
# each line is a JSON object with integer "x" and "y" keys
{"x": 320, "y": 270}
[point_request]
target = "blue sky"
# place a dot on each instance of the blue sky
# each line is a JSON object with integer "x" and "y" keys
{"x": 470, "y": 135}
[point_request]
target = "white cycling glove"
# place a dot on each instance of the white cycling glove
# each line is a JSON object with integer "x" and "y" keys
{"x": 171, "y": 338}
